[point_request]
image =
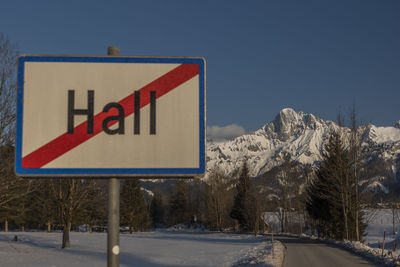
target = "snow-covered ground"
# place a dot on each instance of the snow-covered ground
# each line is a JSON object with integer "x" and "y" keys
{"x": 159, "y": 248}
{"x": 381, "y": 221}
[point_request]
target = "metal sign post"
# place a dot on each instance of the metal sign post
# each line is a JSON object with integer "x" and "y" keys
{"x": 113, "y": 223}
{"x": 113, "y": 207}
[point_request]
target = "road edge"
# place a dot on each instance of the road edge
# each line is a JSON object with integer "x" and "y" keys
{"x": 349, "y": 246}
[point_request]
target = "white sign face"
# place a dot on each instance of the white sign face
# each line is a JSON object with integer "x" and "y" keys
{"x": 102, "y": 116}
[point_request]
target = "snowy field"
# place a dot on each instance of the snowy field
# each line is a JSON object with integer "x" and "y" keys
{"x": 140, "y": 249}
{"x": 380, "y": 221}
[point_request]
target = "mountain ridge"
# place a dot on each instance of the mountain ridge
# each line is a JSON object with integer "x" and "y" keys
{"x": 302, "y": 136}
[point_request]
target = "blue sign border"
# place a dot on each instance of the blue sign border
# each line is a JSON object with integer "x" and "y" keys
{"x": 101, "y": 172}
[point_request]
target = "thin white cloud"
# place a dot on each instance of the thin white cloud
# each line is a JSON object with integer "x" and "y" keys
{"x": 223, "y": 133}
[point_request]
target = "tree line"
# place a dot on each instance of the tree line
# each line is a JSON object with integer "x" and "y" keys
{"x": 65, "y": 204}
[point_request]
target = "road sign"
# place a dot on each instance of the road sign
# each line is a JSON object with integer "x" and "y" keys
{"x": 102, "y": 116}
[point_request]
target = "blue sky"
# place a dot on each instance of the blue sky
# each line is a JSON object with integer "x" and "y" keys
{"x": 262, "y": 56}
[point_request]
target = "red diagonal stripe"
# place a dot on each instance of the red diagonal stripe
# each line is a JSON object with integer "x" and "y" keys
{"x": 66, "y": 142}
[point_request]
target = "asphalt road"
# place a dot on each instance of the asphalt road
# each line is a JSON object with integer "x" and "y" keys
{"x": 309, "y": 253}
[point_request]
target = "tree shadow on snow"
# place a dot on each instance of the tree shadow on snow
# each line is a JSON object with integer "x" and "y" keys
{"x": 129, "y": 259}
{"x": 204, "y": 238}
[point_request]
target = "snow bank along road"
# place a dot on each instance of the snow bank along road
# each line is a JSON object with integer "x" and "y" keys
{"x": 158, "y": 249}
{"x": 309, "y": 253}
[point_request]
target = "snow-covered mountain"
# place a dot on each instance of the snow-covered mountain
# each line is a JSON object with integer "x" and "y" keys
{"x": 302, "y": 136}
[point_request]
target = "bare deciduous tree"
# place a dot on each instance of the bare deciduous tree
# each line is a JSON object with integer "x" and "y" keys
{"x": 355, "y": 155}
{"x": 8, "y": 89}
{"x": 70, "y": 195}
{"x": 11, "y": 187}
{"x": 218, "y": 200}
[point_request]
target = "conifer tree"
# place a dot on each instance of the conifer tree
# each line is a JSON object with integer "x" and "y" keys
{"x": 42, "y": 203}
{"x": 217, "y": 200}
{"x": 13, "y": 189}
{"x": 179, "y": 211}
{"x": 157, "y": 210}
{"x": 134, "y": 211}
{"x": 94, "y": 210}
{"x": 331, "y": 197}
{"x": 247, "y": 207}
{"x": 240, "y": 209}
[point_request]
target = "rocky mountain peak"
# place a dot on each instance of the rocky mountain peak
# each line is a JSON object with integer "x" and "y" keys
{"x": 284, "y": 123}
{"x": 397, "y": 125}
{"x": 288, "y": 123}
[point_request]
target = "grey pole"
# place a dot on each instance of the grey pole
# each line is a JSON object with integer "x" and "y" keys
{"x": 113, "y": 207}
